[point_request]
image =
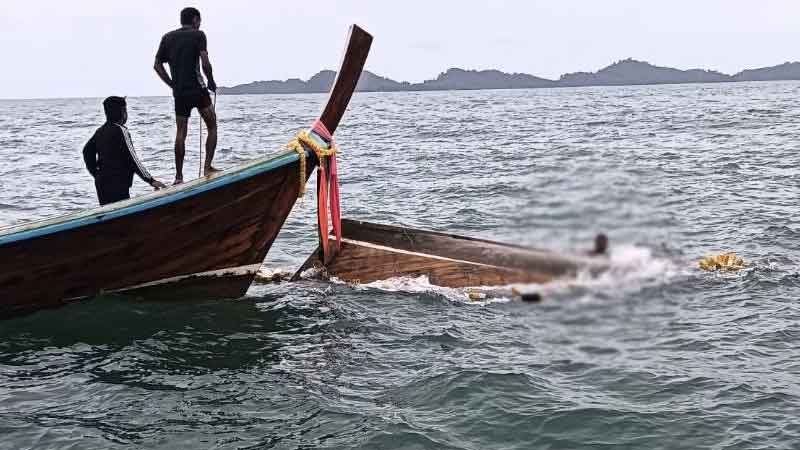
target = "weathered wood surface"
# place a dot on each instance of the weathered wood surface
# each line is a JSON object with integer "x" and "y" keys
{"x": 355, "y": 56}
{"x": 372, "y": 252}
{"x": 228, "y": 227}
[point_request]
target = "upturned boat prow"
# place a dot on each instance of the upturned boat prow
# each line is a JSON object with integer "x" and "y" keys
{"x": 202, "y": 239}
{"x": 371, "y": 252}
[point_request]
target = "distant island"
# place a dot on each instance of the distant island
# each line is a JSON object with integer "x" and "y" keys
{"x": 622, "y": 73}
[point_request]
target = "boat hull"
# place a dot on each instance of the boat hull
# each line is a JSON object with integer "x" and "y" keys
{"x": 207, "y": 240}
{"x": 372, "y": 252}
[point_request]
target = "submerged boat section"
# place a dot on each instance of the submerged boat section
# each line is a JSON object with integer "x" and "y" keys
{"x": 371, "y": 252}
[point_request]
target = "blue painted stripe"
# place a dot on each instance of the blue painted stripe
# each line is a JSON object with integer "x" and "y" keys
{"x": 103, "y": 215}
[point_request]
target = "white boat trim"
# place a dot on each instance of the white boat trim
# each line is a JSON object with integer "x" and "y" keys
{"x": 228, "y": 272}
{"x": 424, "y": 255}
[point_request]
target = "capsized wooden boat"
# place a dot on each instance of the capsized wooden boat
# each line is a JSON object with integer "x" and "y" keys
{"x": 205, "y": 238}
{"x": 371, "y": 252}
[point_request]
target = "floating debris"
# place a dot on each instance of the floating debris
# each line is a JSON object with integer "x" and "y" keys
{"x": 476, "y": 295}
{"x": 724, "y": 261}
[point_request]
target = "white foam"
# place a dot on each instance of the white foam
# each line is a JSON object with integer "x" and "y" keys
{"x": 630, "y": 268}
{"x": 632, "y": 265}
{"x": 423, "y": 285}
{"x": 273, "y": 275}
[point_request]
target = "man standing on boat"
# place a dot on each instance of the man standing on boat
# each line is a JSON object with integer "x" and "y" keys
{"x": 183, "y": 49}
{"x": 110, "y": 158}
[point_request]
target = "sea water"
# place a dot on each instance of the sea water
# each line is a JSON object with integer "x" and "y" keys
{"x": 654, "y": 354}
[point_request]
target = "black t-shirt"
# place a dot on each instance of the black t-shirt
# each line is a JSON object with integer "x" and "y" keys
{"x": 181, "y": 49}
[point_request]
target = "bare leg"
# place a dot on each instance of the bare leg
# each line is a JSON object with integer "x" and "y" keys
{"x": 180, "y": 146}
{"x": 210, "y": 118}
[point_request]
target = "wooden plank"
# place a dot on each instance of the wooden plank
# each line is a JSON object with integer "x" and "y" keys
{"x": 372, "y": 252}
{"x": 469, "y": 249}
{"x": 365, "y": 264}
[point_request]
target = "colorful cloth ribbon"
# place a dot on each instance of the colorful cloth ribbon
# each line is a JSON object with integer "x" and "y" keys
{"x": 328, "y": 195}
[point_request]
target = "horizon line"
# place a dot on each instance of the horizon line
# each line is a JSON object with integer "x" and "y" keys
{"x": 7, "y": 99}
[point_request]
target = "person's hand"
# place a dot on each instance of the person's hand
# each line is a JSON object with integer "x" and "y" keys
{"x": 212, "y": 86}
{"x": 158, "y": 185}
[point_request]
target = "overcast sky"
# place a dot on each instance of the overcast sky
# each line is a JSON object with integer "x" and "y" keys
{"x": 100, "y": 47}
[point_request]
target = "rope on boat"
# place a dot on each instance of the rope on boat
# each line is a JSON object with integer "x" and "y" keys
{"x": 200, "y": 164}
{"x": 200, "y": 121}
{"x": 297, "y": 144}
{"x": 327, "y": 184}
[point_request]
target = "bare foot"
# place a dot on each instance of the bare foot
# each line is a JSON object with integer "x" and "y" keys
{"x": 210, "y": 171}
{"x": 178, "y": 180}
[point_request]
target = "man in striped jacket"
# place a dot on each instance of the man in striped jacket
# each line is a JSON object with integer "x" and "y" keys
{"x": 110, "y": 157}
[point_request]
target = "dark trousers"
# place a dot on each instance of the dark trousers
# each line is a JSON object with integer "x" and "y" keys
{"x": 111, "y": 191}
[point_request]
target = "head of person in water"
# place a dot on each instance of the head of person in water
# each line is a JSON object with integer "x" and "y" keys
{"x": 190, "y": 17}
{"x": 116, "y": 110}
{"x": 600, "y": 244}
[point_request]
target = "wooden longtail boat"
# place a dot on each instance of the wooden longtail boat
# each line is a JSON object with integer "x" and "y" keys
{"x": 370, "y": 252}
{"x": 205, "y": 238}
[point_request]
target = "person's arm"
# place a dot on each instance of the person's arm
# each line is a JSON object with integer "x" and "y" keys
{"x": 158, "y": 66}
{"x": 136, "y": 164}
{"x": 90, "y": 156}
{"x": 162, "y": 73}
{"x": 212, "y": 85}
{"x": 206, "y": 63}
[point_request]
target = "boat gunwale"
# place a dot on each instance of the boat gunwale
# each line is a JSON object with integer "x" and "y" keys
{"x": 148, "y": 201}
{"x": 567, "y": 258}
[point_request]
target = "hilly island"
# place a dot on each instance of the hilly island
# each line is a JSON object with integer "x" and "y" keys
{"x": 625, "y": 72}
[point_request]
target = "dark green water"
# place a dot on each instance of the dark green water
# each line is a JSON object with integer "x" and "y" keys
{"x": 653, "y": 355}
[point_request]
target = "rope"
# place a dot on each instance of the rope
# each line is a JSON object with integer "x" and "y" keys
{"x": 200, "y": 164}
{"x": 297, "y": 147}
{"x": 304, "y": 138}
{"x": 200, "y": 121}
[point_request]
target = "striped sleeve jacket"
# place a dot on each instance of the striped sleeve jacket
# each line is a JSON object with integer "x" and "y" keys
{"x": 111, "y": 158}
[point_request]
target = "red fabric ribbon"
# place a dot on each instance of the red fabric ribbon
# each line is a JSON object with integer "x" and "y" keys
{"x": 328, "y": 193}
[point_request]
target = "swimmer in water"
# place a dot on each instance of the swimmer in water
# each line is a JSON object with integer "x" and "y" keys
{"x": 600, "y": 246}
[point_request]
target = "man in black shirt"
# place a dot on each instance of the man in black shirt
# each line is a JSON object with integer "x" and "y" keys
{"x": 183, "y": 49}
{"x": 110, "y": 158}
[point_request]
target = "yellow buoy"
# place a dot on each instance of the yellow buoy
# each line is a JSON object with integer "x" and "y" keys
{"x": 724, "y": 261}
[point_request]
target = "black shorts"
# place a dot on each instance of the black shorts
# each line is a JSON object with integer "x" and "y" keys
{"x": 185, "y": 103}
